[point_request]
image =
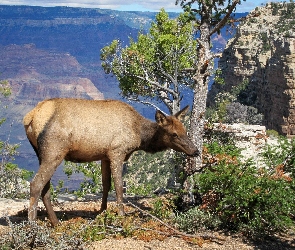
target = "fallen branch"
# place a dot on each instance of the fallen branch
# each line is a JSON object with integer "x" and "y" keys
{"x": 152, "y": 230}
{"x": 177, "y": 232}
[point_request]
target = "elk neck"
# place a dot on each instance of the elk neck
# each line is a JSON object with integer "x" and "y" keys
{"x": 151, "y": 139}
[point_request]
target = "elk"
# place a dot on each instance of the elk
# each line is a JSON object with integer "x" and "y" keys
{"x": 81, "y": 130}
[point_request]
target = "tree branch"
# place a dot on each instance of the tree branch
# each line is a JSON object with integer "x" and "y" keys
{"x": 154, "y": 83}
{"x": 145, "y": 102}
{"x": 225, "y": 18}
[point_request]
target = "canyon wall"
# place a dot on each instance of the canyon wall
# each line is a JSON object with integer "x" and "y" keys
{"x": 262, "y": 54}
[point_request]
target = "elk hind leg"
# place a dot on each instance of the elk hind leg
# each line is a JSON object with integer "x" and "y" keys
{"x": 37, "y": 187}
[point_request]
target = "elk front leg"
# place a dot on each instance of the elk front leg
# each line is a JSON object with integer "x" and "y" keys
{"x": 106, "y": 183}
{"x": 117, "y": 171}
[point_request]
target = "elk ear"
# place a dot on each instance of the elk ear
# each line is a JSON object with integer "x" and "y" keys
{"x": 160, "y": 118}
{"x": 181, "y": 114}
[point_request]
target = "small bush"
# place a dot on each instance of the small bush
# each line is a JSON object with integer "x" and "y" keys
{"x": 236, "y": 113}
{"x": 281, "y": 157}
{"x": 239, "y": 113}
{"x": 147, "y": 172}
{"x": 163, "y": 208}
{"x": 196, "y": 219}
{"x": 253, "y": 116}
{"x": 249, "y": 200}
{"x": 272, "y": 133}
{"x": 13, "y": 182}
{"x": 246, "y": 198}
{"x": 31, "y": 235}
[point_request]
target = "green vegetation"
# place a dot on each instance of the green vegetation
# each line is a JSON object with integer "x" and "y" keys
{"x": 272, "y": 133}
{"x": 37, "y": 235}
{"x": 234, "y": 106}
{"x": 197, "y": 219}
{"x": 240, "y": 196}
{"x": 78, "y": 233}
{"x": 92, "y": 183}
{"x": 286, "y": 11}
{"x": 154, "y": 66}
{"x": 254, "y": 201}
{"x": 281, "y": 156}
{"x": 13, "y": 182}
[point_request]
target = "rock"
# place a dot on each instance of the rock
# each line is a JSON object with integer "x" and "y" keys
{"x": 66, "y": 198}
{"x": 160, "y": 191}
{"x": 263, "y": 53}
{"x": 250, "y": 138}
{"x": 10, "y": 207}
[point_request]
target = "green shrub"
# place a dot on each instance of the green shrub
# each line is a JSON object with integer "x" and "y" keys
{"x": 146, "y": 172}
{"x": 272, "y": 133}
{"x": 239, "y": 196}
{"x": 92, "y": 182}
{"x": 246, "y": 198}
{"x": 163, "y": 208}
{"x": 31, "y": 235}
{"x": 281, "y": 155}
{"x": 251, "y": 200}
{"x": 13, "y": 182}
{"x": 196, "y": 219}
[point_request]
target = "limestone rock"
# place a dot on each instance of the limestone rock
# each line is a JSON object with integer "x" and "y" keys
{"x": 263, "y": 53}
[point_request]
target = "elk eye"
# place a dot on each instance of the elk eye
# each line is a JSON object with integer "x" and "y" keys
{"x": 175, "y": 135}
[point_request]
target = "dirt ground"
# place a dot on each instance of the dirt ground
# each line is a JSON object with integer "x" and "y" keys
{"x": 16, "y": 210}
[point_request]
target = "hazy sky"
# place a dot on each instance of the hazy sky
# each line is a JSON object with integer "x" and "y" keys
{"x": 146, "y": 5}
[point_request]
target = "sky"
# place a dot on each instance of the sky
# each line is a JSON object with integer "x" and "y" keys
{"x": 126, "y": 5}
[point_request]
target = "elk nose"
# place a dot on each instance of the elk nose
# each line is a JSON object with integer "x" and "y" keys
{"x": 195, "y": 154}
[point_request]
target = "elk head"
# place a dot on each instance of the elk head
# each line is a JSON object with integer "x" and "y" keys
{"x": 173, "y": 133}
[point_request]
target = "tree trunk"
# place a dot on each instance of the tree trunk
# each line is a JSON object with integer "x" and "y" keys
{"x": 196, "y": 129}
{"x": 197, "y": 119}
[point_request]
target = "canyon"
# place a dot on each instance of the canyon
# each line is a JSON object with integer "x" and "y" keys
{"x": 262, "y": 55}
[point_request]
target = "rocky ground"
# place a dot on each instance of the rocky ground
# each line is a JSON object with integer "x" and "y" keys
{"x": 16, "y": 211}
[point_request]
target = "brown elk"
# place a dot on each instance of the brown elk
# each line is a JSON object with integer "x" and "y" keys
{"x": 89, "y": 130}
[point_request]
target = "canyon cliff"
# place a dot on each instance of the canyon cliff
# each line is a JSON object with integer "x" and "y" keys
{"x": 34, "y": 74}
{"x": 48, "y": 52}
{"x": 262, "y": 54}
